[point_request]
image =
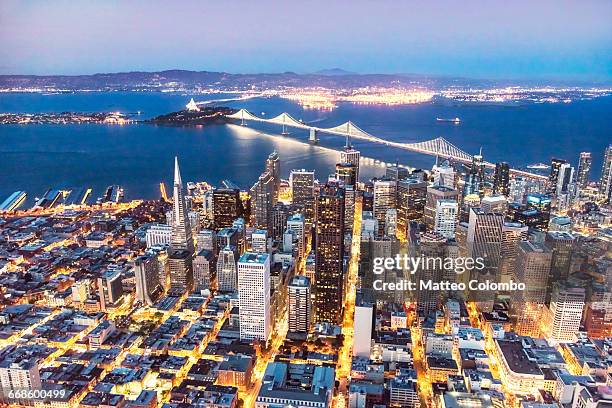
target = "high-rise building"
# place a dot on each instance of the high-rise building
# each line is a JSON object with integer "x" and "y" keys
{"x": 532, "y": 268}
{"x": 273, "y": 167}
{"x": 259, "y": 241}
{"x": 605, "y": 182}
{"x": 542, "y": 204}
{"x": 584, "y": 169}
{"x": 254, "y": 296}
{"x": 180, "y": 265}
{"x": 227, "y": 275}
{"x": 363, "y": 325}
{"x": 564, "y": 178}
{"x": 206, "y": 239}
{"x": 435, "y": 193}
{"x": 518, "y": 190}
{"x": 180, "y": 255}
{"x": 329, "y": 242}
{"x": 443, "y": 174}
{"x": 410, "y": 204}
{"x": 512, "y": 234}
{"x": 297, "y": 225}
{"x": 391, "y": 223}
{"x": 203, "y": 269}
{"x": 350, "y": 196}
{"x": 280, "y": 212}
{"x": 350, "y": 155}
{"x": 110, "y": 289}
{"x": 501, "y": 179}
{"x": 262, "y": 200}
{"x": 561, "y": 245}
{"x": 299, "y": 306}
{"x": 302, "y": 191}
{"x": 396, "y": 172}
{"x": 227, "y": 206}
{"x": 146, "y": 275}
{"x": 553, "y": 178}
{"x": 494, "y": 203}
{"x": 182, "y": 237}
{"x": 447, "y": 214}
{"x": 565, "y": 312}
{"x": 384, "y": 200}
{"x": 474, "y": 182}
{"x": 346, "y": 173}
{"x": 484, "y": 238}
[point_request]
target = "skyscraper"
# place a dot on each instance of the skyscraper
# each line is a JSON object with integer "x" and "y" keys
{"x": 180, "y": 265}
{"x": 299, "y": 307}
{"x": 146, "y": 275}
{"x": 180, "y": 256}
{"x": 512, "y": 234}
{"x": 302, "y": 191}
{"x": 273, "y": 167}
{"x": 411, "y": 195}
{"x": 182, "y": 237}
{"x": 110, "y": 289}
{"x": 447, "y": 214}
{"x": 565, "y": 312}
{"x": 484, "y": 237}
{"x": 350, "y": 155}
{"x": 435, "y": 193}
{"x": 259, "y": 241}
{"x": 262, "y": 200}
{"x": 555, "y": 165}
{"x": 501, "y": 179}
{"x": 384, "y": 200}
{"x": 350, "y": 195}
{"x": 532, "y": 268}
{"x": 297, "y": 225}
{"x": 226, "y": 269}
{"x": 280, "y": 212}
{"x": 396, "y": 172}
{"x": 329, "y": 241}
{"x": 474, "y": 182}
{"x": 443, "y": 174}
{"x": 605, "y": 182}
{"x": 542, "y": 204}
{"x": 254, "y": 296}
{"x": 346, "y": 173}
{"x": 561, "y": 245}
{"x": 584, "y": 169}
{"x": 564, "y": 178}
{"x": 203, "y": 269}
{"x": 227, "y": 206}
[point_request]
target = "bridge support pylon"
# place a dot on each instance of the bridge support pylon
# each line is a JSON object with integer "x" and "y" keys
{"x": 285, "y": 132}
{"x": 314, "y": 136}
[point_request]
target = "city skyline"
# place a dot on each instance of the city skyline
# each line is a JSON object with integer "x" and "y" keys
{"x": 332, "y": 238}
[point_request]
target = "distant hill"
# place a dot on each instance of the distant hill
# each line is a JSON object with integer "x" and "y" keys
{"x": 182, "y": 79}
{"x": 334, "y": 72}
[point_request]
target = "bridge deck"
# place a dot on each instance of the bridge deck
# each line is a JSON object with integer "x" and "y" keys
{"x": 435, "y": 147}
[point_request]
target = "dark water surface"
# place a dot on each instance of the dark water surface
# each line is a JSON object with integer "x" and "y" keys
{"x": 37, "y": 157}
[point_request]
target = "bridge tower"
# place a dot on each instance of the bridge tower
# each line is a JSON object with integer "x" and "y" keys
{"x": 285, "y": 132}
{"x": 314, "y": 136}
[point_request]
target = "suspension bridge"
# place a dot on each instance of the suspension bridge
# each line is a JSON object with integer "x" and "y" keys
{"x": 439, "y": 146}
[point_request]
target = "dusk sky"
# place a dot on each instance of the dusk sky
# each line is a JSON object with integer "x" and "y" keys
{"x": 497, "y": 39}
